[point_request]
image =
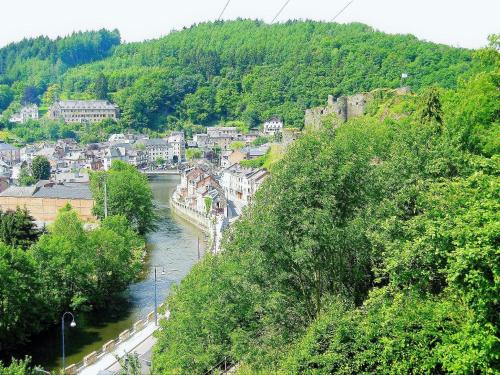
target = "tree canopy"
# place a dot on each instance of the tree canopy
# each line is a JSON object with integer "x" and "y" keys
{"x": 371, "y": 248}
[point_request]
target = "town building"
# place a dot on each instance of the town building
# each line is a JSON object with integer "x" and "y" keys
{"x": 231, "y": 157}
{"x": 178, "y": 143}
{"x": 45, "y": 199}
{"x": 272, "y": 126}
{"x": 155, "y": 149}
{"x": 240, "y": 184}
{"x": 222, "y": 131}
{"x": 83, "y": 110}
{"x": 9, "y": 154}
{"x": 29, "y": 112}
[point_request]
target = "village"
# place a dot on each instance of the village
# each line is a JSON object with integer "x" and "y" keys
{"x": 215, "y": 184}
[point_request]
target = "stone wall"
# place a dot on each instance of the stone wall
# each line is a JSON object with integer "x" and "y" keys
{"x": 46, "y": 209}
{"x": 345, "y": 107}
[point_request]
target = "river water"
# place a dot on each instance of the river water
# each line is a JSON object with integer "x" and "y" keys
{"x": 173, "y": 246}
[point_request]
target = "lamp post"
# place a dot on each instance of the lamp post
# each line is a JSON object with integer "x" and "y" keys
{"x": 163, "y": 273}
{"x": 72, "y": 324}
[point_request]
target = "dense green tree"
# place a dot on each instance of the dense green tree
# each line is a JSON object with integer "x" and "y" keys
{"x": 17, "y": 367}
{"x": 6, "y": 96}
{"x": 372, "y": 248}
{"x": 193, "y": 153}
{"x": 101, "y": 87}
{"x": 21, "y": 304}
{"x": 128, "y": 194}
{"x": 30, "y": 96}
{"x": 25, "y": 177}
{"x": 40, "y": 168}
{"x": 18, "y": 228}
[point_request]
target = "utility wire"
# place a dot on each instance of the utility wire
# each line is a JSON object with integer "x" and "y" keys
{"x": 223, "y": 10}
{"x": 342, "y": 10}
{"x": 281, "y": 10}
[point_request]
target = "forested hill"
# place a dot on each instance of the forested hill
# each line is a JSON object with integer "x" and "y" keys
{"x": 249, "y": 70}
{"x": 37, "y": 62}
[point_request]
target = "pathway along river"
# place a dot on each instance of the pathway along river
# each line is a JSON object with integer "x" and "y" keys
{"x": 173, "y": 245}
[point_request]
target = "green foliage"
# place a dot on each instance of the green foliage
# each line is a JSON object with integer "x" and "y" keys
{"x": 101, "y": 87}
{"x": 6, "y": 96}
{"x": 261, "y": 140}
{"x": 68, "y": 268}
{"x": 208, "y": 204}
{"x": 237, "y": 145}
{"x": 431, "y": 108}
{"x": 25, "y": 177}
{"x": 239, "y": 73}
{"x": 40, "y": 168}
{"x": 128, "y": 194}
{"x": 372, "y": 248}
{"x": 17, "y": 367}
{"x": 18, "y": 228}
{"x": 21, "y": 300}
{"x": 33, "y": 64}
{"x": 130, "y": 364}
{"x": 193, "y": 153}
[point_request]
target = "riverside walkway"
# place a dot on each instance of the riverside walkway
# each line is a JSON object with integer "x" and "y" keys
{"x": 141, "y": 343}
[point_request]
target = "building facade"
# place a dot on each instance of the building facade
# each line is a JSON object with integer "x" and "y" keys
{"x": 240, "y": 183}
{"x": 9, "y": 154}
{"x": 83, "y": 110}
{"x": 26, "y": 113}
{"x": 44, "y": 200}
{"x": 273, "y": 126}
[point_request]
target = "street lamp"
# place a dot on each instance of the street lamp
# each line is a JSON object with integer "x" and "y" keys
{"x": 163, "y": 273}
{"x": 72, "y": 325}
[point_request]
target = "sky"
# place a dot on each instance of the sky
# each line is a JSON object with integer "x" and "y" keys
{"x": 460, "y": 23}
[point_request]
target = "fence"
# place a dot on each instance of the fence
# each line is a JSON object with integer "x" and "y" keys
{"x": 221, "y": 368}
{"x": 110, "y": 346}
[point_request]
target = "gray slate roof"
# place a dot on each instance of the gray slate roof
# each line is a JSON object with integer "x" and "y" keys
{"x": 86, "y": 104}
{"x": 66, "y": 191}
{"x": 6, "y": 147}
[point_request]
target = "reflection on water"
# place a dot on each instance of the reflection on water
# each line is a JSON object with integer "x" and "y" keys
{"x": 174, "y": 245}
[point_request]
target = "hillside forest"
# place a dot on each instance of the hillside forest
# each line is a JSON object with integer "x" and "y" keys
{"x": 372, "y": 248}
{"x": 242, "y": 71}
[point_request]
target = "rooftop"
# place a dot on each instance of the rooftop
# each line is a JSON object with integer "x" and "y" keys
{"x": 86, "y": 104}
{"x": 63, "y": 191}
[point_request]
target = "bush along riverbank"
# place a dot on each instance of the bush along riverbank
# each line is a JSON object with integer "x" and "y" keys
{"x": 69, "y": 268}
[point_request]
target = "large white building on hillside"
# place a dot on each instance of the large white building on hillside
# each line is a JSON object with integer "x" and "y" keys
{"x": 83, "y": 110}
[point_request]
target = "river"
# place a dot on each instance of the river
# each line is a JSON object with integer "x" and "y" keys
{"x": 174, "y": 245}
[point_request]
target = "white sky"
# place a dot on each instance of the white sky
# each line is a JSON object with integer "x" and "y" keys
{"x": 464, "y": 23}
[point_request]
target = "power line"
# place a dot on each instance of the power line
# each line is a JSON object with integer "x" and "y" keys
{"x": 223, "y": 10}
{"x": 281, "y": 10}
{"x": 342, "y": 10}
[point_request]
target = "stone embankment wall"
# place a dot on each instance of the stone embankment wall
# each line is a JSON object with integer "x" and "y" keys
{"x": 345, "y": 107}
{"x": 191, "y": 215}
{"x": 214, "y": 228}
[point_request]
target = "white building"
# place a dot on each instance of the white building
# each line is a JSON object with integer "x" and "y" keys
{"x": 273, "y": 126}
{"x": 240, "y": 183}
{"x": 178, "y": 143}
{"x": 83, "y": 110}
{"x": 222, "y": 131}
{"x": 155, "y": 149}
{"x": 26, "y": 113}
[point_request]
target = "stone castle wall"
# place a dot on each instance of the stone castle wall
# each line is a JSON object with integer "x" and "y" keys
{"x": 344, "y": 108}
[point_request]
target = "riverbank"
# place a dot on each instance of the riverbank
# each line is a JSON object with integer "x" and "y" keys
{"x": 174, "y": 245}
